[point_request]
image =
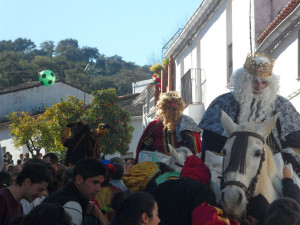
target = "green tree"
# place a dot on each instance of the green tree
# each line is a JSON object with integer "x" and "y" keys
{"x": 70, "y": 49}
{"x": 48, "y": 47}
{"x": 24, "y": 45}
{"x": 43, "y": 130}
{"x": 28, "y": 130}
{"x": 6, "y": 46}
{"x": 105, "y": 108}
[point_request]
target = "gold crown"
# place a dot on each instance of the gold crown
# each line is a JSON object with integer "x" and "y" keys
{"x": 254, "y": 66}
{"x": 171, "y": 94}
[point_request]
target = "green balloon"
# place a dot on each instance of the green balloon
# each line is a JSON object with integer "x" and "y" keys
{"x": 47, "y": 77}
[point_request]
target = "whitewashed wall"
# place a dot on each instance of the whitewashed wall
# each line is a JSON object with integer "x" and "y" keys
{"x": 37, "y": 98}
{"x": 286, "y": 66}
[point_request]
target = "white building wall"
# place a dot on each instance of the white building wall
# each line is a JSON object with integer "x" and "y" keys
{"x": 37, "y": 98}
{"x": 240, "y": 33}
{"x": 7, "y": 142}
{"x": 137, "y": 123}
{"x": 213, "y": 56}
{"x": 286, "y": 66}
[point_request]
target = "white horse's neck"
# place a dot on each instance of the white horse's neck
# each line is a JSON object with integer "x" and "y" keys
{"x": 268, "y": 190}
{"x": 265, "y": 180}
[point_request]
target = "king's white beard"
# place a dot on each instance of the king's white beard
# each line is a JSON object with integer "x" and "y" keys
{"x": 253, "y": 107}
{"x": 256, "y": 107}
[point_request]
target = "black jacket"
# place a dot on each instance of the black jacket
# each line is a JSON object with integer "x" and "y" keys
{"x": 177, "y": 199}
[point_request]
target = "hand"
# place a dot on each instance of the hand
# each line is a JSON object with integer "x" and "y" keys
{"x": 286, "y": 172}
{"x": 94, "y": 210}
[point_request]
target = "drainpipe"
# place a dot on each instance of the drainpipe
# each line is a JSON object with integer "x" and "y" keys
{"x": 156, "y": 94}
{"x": 271, "y": 14}
{"x": 170, "y": 72}
{"x": 164, "y": 80}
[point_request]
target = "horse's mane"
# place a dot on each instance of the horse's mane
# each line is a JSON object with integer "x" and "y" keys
{"x": 268, "y": 169}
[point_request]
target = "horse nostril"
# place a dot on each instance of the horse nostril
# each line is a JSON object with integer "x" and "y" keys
{"x": 222, "y": 197}
{"x": 240, "y": 198}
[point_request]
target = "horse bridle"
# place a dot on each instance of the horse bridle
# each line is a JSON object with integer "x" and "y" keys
{"x": 250, "y": 190}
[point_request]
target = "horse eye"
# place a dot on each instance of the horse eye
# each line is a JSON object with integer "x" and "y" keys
{"x": 257, "y": 153}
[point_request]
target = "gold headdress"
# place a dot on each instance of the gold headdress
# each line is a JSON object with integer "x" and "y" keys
{"x": 171, "y": 94}
{"x": 259, "y": 64}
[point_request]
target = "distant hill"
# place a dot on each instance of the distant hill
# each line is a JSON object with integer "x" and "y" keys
{"x": 83, "y": 67}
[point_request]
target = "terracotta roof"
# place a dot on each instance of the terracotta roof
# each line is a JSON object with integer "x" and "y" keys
{"x": 281, "y": 16}
{"x": 126, "y": 102}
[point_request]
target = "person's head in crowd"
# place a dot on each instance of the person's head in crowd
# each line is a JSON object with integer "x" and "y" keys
{"x": 283, "y": 211}
{"x": 32, "y": 181}
{"x": 46, "y": 214}
{"x": 257, "y": 207}
{"x": 4, "y": 179}
{"x": 34, "y": 160}
{"x": 118, "y": 160}
{"x": 169, "y": 108}
{"x": 26, "y": 157}
{"x": 21, "y": 156}
{"x": 138, "y": 208}
{"x": 111, "y": 170}
{"x": 17, "y": 168}
{"x": 118, "y": 173}
{"x": 129, "y": 163}
{"x": 88, "y": 175}
{"x": 5, "y": 165}
{"x": 67, "y": 176}
{"x": 19, "y": 161}
{"x": 13, "y": 177}
{"x": 255, "y": 87}
{"x": 53, "y": 186}
{"x": 10, "y": 168}
{"x": 40, "y": 155}
{"x": 61, "y": 170}
{"x": 51, "y": 159}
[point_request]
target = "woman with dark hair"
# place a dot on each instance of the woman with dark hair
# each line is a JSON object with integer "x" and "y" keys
{"x": 138, "y": 208}
{"x": 44, "y": 214}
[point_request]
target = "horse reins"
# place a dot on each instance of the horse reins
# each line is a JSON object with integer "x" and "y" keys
{"x": 250, "y": 190}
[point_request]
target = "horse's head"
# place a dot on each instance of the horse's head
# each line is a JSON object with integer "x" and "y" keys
{"x": 248, "y": 165}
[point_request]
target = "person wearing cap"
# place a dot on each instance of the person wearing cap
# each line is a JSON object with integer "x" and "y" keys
{"x": 170, "y": 127}
{"x": 253, "y": 98}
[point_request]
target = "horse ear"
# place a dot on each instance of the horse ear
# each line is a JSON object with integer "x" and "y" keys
{"x": 268, "y": 124}
{"x": 173, "y": 151}
{"x": 228, "y": 125}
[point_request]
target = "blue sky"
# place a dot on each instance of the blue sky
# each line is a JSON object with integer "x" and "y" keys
{"x": 136, "y": 30}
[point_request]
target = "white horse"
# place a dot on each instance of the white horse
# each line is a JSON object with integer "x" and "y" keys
{"x": 248, "y": 165}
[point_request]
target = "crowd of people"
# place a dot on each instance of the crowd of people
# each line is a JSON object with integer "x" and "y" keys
{"x": 88, "y": 190}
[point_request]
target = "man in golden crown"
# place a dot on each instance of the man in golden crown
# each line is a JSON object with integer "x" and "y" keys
{"x": 253, "y": 98}
{"x": 170, "y": 127}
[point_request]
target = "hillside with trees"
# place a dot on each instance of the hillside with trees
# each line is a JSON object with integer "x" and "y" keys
{"x": 83, "y": 67}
